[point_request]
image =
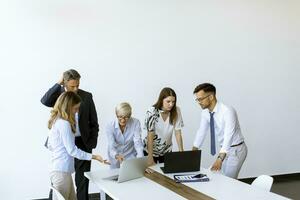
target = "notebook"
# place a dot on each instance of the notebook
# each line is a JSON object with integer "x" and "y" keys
{"x": 191, "y": 178}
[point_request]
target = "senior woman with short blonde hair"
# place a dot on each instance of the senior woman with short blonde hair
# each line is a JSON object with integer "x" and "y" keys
{"x": 124, "y": 136}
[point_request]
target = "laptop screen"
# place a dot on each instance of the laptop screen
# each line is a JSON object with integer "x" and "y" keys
{"x": 184, "y": 161}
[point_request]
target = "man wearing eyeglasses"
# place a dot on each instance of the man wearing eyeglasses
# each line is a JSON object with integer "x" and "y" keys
{"x": 222, "y": 123}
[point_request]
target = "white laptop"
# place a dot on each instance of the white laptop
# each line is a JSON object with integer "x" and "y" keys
{"x": 130, "y": 169}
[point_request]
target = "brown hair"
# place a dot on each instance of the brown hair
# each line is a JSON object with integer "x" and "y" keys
{"x": 206, "y": 87}
{"x": 62, "y": 109}
{"x": 164, "y": 93}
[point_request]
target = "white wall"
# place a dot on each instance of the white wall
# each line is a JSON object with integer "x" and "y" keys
{"x": 128, "y": 51}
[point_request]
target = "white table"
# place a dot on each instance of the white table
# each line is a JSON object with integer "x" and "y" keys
{"x": 219, "y": 187}
{"x": 141, "y": 188}
{"x": 225, "y": 188}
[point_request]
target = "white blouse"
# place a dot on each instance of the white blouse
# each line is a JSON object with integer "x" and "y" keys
{"x": 163, "y": 130}
{"x": 62, "y": 145}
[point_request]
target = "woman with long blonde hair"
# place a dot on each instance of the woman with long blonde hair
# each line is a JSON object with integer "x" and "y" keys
{"x": 62, "y": 125}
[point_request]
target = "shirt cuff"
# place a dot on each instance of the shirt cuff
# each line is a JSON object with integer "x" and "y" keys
{"x": 58, "y": 85}
{"x": 196, "y": 145}
{"x": 140, "y": 153}
{"x": 113, "y": 154}
{"x": 223, "y": 150}
{"x": 89, "y": 156}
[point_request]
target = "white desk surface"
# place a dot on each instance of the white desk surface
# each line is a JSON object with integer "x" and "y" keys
{"x": 141, "y": 188}
{"x": 219, "y": 187}
{"x": 225, "y": 188}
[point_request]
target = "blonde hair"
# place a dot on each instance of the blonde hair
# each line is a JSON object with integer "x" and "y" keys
{"x": 63, "y": 107}
{"x": 124, "y": 109}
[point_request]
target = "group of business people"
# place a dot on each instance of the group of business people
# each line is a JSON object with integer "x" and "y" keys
{"x": 74, "y": 130}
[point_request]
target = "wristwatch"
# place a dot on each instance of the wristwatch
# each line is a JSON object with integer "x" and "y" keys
{"x": 221, "y": 157}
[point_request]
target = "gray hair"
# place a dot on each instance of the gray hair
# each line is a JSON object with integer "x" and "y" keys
{"x": 124, "y": 109}
{"x": 71, "y": 74}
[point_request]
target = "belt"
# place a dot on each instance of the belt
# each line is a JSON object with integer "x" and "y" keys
{"x": 235, "y": 145}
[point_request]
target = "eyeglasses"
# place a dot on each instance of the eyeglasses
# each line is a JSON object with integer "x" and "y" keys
{"x": 123, "y": 117}
{"x": 201, "y": 99}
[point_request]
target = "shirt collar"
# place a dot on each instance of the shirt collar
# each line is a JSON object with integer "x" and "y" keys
{"x": 160, "y": 111}
{"x": 216, "y": 108}
{"x": 117, "y": 123}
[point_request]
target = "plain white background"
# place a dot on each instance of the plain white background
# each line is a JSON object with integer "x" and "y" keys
{"x": 130, "y": 50}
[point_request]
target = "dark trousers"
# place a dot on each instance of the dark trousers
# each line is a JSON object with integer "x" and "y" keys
{"x": 160, "y": 159}
{"x": 81, "y": 166}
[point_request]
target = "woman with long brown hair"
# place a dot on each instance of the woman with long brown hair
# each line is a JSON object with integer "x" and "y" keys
{"x": 62, "y": 125}
{"x": 163, "y": 119}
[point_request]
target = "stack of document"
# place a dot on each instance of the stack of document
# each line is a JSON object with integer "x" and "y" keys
{"x": 191, "y": 178}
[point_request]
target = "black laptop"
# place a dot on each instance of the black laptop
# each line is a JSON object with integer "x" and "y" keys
{"x": 182, "y": 161}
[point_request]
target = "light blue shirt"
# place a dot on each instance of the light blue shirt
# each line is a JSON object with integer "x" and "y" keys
{"x": 129, "y": 144}
{"x": 61, "y": 143}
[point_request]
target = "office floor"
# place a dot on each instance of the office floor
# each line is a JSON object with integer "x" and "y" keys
{"x": 290, "y": 189}
{"x": 287, "y": 187}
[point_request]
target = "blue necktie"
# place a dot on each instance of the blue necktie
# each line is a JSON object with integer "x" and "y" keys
{"x": 212, "y": 134}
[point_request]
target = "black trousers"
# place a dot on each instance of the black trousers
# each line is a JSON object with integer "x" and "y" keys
{"x": 81, "y": 166}
{"x": 160, "y": 159}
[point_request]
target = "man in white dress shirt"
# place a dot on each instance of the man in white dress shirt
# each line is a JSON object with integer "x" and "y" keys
{"x": 221, "y": 121}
